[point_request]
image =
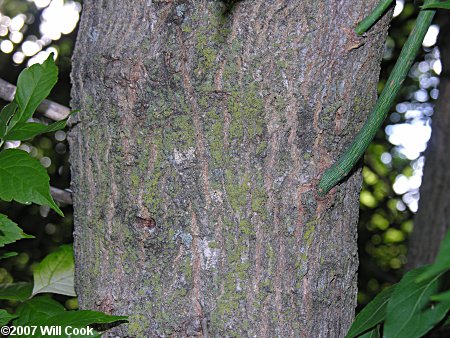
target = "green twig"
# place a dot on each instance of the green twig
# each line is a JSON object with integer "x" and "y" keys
{"x": 373, "y": 17}
{"x": 341, "y": 168}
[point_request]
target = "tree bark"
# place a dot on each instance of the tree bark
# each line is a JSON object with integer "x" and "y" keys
{"x": 202, "y": 133}
{"x": 432, "y": 220}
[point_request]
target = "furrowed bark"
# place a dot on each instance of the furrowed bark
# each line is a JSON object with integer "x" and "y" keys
{"x": 201, "y": 136}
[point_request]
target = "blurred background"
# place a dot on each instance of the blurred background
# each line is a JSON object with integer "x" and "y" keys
{"x": 31, "y": 29}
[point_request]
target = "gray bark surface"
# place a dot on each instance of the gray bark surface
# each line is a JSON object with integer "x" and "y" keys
{"x": 433, "y": 217}
{"x": 201, "y": 136}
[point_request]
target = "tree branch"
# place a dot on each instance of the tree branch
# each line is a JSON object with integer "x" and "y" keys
{"x": 62, "y": 196}
{"x": 50, "y": 109}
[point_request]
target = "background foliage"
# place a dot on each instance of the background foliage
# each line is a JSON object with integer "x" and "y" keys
{"x": 387, "y": 207}
{"x": 49, "y": 229}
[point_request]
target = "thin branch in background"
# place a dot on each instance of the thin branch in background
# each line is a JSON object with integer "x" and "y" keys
{"x": 50, "y": 109}
{"x": 62, "y": 196}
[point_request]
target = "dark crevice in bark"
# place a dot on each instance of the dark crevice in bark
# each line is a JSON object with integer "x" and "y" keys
{"x": 195, "y": 157}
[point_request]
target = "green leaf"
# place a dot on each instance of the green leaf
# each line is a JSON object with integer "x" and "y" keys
{"x": 425, "y": 321}
{"x": 6, "y": 114}
{"x": 438, "y": 5}
{"x": 79, "y": 319}
{"x": 20, "y": 291}
{"x": 44, "y": 311}
{"x": 372, "y": 314}
{"x": 33, "y": 86}
{"x": 10, "y": 232}
{"x": 442, "y": 261}
{"x": 36, "y": 310}
{"x": 442, "y": 297}
{"x": 374, "y": 333}
{"x": 408, "y": 314}
{"x": 56, "y": 273}
{"x": 82, "y": 318}
{"x": 26, "y": 131}
{"x": 8, "y": 254}
{"x": 5, "y": 317}
{"x": 24, "y": 179}
{"x": 447, "y": 321}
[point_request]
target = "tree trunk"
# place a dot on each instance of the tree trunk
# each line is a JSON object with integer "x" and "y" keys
{"x": 432, "y": 220}
{"x": 202, "y": 132}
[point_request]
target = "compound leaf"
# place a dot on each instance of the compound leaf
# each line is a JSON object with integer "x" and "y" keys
{"x": 33, "y": 86}
{"x": 5, "y": 317}
{"x": 10, "y": 232}
{"x": 20, "y": 291}
{"x": 409, "y": 314}
{"x": 372, "y": 314}
{"x": 6, "y": 114}
{"x": 24, "y": 179}
{"x": 26, "y": 131}
{"x": 56, "y": 273}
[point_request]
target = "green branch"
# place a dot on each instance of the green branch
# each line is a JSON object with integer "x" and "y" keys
{"x": 341, "y": 168}
{"x": 373, "y": 17}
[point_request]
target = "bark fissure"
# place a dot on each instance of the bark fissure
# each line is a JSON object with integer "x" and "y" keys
{"x": 199, "y": 142}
